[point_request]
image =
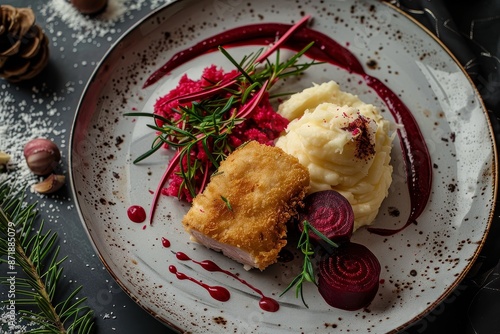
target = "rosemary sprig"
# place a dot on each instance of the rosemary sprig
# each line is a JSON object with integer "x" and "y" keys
{"x": 32, "y": 250}
{"x": 307, "y": 274}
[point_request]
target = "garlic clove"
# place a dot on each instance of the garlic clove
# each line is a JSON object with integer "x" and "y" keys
{"x": 42, "y": 156}
{"x": 51, "y": 184}
{"x": 4, "y": 158}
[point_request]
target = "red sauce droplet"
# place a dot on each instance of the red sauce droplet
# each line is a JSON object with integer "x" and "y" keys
{"x": 266, "y": 303}
{"x": 136, "y": 213}
{"x": 219, "y": 293}
{"x": 165, "y": 242}
{"x": 210, "y": 266}
{"x": 269, "y": 304}
{"x": 182, "y": 257}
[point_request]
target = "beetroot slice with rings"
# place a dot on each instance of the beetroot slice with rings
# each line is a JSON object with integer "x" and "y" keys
{"x": 330, "y": 213}
{"x": 348, "y": 278}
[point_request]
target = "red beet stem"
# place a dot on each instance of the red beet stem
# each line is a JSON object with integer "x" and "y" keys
{"x": 175, "y": 160}
{"x": 349, "y": 278}
{"x": 205, "y": 178}
{"x": 209, "y": 92}
{"x": 330, "y": 213}
{"x": 283, "y": 38}
{"x": 228, "y": 37}
{"x": 247, "y": 108}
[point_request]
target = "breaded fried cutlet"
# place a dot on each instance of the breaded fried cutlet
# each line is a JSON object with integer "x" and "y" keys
{"x": 244, "y": 209}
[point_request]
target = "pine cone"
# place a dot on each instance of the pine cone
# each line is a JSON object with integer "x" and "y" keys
{"x": 24, "y": 48}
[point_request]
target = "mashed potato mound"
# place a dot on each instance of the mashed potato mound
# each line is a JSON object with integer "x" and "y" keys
{"x": 345, "y": 144}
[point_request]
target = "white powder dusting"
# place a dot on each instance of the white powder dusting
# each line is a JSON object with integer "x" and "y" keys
{"x": 33, "y": 114}
{"x": 28, "y": 115}
{"x": 87, "y": 28}
{"x": 22, "y": 120}
{"x": 7, "y": 325}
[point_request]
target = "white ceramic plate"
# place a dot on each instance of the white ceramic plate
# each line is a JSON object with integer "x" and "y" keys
{"x": 420, "y": 266}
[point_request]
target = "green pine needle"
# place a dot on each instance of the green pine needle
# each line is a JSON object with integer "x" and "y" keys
{"x": 31, "y": 258}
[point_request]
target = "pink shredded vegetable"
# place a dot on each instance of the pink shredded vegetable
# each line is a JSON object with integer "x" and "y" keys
{"x": 263, "y": 124}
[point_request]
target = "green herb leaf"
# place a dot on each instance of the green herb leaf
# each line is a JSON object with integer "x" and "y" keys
{"x": 225, "y": 200}
{"x": 204, "y": 120}
{"x": 307, "y": 274}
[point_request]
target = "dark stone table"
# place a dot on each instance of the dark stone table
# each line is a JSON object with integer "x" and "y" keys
{"x": 472, "y": 33}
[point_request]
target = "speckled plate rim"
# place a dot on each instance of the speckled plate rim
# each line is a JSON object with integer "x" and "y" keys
{"x": 422, "y": 314}
{"x": 495, "y": 176}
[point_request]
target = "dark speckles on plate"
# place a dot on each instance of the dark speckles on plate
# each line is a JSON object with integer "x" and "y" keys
{"x": 404, "y": 56}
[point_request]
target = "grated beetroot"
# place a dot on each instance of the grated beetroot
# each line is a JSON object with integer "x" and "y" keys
{"x": 263, "y": 125}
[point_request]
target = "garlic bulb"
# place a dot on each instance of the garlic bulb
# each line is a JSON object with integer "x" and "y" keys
{"x": 42, "y": 156}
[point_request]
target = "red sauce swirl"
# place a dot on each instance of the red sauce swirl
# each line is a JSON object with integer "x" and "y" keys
{"x": 415, "y": 152}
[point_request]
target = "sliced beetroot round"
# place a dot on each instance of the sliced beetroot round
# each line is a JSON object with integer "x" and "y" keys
{"x": 330, "y": 213}
{"x": 348, "y": 278}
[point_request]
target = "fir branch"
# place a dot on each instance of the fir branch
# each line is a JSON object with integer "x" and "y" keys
{"x": 33, "y": 250}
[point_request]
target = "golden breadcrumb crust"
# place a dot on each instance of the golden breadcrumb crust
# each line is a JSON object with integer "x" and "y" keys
{"x": 248, "y": 202}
